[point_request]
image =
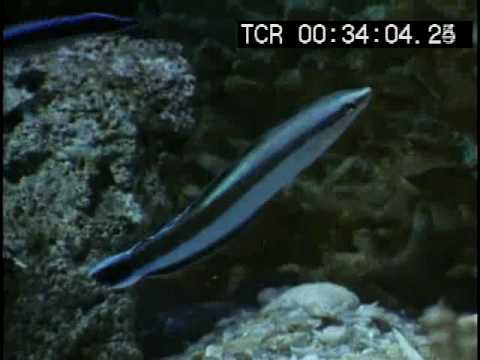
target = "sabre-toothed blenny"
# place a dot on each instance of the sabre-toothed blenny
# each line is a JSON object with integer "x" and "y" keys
{"x": 235, "y": 196}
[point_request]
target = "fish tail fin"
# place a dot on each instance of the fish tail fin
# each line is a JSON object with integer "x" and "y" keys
{"x": 116, "y": 271}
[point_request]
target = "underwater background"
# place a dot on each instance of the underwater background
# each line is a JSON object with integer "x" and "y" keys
{"x": 369, "y": 254}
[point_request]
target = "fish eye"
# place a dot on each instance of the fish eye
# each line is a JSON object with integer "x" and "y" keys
{"x": 349, "y": 107}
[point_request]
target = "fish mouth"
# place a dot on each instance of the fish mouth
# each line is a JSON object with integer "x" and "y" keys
{"x": 366, "y": 92}
{"x": 359, "y": 99}
{"x": 363, "y": 95}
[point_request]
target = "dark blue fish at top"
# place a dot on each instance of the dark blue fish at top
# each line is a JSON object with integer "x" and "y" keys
{"x": 64, "y": 26}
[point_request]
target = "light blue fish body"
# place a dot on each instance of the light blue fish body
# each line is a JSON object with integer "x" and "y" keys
{"x": 234, "y": 198}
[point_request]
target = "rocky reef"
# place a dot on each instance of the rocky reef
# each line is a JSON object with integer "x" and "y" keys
{"x": 78, "y": 120}
{"x": 322, "y": 321}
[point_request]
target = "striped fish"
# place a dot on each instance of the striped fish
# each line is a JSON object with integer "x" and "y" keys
{"x": 60, "y": 27}
{"x": 235, "y": 196}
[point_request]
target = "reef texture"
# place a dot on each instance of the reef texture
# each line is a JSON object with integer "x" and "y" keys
{"x": 313, "y": 321}
{"x": 74, "y": 154}
{"x": 452, "y": 336}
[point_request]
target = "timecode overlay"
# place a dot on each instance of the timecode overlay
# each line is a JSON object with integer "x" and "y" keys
{"x": 355, "y": 34}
